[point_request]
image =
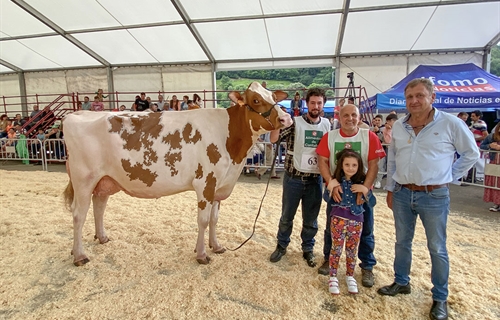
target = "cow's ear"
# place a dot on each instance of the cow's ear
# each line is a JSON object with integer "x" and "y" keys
{"x": 235, "y": 97}
{"x": 280, "y": 95}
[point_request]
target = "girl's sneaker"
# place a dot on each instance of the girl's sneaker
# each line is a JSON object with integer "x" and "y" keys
{"x": 495, "y": 208}
{"x": 333, "y": 285}
{"x": 352, "y": 286}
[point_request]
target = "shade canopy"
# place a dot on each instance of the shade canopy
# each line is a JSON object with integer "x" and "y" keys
{"x": 235, "y": 34}
{"x": 461, "y": 87}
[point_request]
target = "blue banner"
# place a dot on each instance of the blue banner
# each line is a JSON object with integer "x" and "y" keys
{"x": 463, "y": 86}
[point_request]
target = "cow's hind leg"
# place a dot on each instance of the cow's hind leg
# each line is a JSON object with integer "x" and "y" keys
{"x": 203, "y": 220}
{"x": 80, "y": 208}
{"x": 99, "y": 203}
{"x": 212, "y": 234}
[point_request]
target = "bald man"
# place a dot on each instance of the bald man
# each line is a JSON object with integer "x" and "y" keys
{"x": 351, "y": 136}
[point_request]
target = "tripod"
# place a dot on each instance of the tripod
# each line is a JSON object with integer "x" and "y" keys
{"x": 350, "y": 92}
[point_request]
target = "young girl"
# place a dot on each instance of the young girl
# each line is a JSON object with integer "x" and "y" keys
{"x": 347, "y": 217}
{"x": 97, "y": 105}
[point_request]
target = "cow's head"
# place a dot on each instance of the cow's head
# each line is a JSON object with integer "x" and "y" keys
{"x": 263, "y": 112}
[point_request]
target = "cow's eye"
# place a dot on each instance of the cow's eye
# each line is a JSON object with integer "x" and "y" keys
{"x": 256, "y": 101}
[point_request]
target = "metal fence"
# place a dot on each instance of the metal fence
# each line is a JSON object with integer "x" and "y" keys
{"x": 32, "y": 151}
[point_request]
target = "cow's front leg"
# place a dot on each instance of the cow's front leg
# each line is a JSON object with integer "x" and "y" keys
{"x": 212, "y": 233}
{"x": 203, "y": 220}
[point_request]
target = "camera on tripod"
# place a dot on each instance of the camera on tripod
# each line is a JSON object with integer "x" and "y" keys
{"x": 350, "y": 76}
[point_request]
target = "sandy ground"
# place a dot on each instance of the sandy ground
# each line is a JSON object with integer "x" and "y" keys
{"x": 148, "y": 269}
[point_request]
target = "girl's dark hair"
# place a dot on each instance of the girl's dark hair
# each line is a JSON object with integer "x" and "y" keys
{"x": 359, "y": 177}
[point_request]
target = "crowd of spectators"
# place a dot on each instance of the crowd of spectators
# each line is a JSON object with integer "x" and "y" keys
{"x": 144, "y": 103}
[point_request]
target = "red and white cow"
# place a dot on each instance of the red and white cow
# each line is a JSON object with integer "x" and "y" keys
{"x": 151, "y": 155}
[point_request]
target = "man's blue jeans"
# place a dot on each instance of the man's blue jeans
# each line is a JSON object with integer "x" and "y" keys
{"x": 433, "y": 208}
{"x": 307, "y": 191}
{"x": 367, "y": 241}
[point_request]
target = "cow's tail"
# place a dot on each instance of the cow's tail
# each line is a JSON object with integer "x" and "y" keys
{"x": 69, "y": 194}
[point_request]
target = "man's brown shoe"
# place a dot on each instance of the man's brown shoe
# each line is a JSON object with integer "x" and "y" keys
{"x": 367, "y": 280}
{"x": 325, "y": 268}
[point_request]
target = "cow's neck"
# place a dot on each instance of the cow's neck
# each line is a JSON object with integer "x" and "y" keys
{"x": 241, "y": 137}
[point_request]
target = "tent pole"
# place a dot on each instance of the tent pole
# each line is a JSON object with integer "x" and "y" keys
{"x": 111, "y": 88}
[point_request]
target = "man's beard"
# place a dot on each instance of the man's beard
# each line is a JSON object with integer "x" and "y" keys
{"x": 314, "y": 116}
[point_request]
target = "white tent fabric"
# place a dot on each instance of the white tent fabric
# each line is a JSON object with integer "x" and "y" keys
{"x": 103, "y": 39}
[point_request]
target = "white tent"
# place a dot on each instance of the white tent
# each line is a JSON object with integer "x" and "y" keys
{"x": 157, "y": 45}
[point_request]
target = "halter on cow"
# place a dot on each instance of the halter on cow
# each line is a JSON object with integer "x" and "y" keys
{"x": 150, "y": 155}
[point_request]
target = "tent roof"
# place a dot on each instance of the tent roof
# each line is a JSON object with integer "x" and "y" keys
{"x": 46, "y": 35}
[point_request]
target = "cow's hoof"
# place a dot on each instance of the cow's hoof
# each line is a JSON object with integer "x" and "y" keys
{"x": 81, "y": 262}
{"x": 220, "y": 250}
{"x": 101, "y": 241}
{"x": 206, "y": 260}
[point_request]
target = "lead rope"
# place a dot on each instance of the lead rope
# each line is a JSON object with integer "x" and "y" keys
{"x": 277, "y": 144}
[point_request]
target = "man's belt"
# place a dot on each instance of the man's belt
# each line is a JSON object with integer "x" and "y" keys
{"x": 428, "y": 188}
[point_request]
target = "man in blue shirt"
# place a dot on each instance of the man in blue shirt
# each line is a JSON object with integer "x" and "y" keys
{"x": 420, "y": 165}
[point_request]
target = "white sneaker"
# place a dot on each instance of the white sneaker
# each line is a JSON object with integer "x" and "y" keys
{"x": 378, "y": 185}
{"x": 495, "y": 208}
{"x": 352, "y": 286}
{"x": 333, "y": 285}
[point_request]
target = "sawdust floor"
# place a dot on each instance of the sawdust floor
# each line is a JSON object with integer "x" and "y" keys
{"x": 148, "y": 269}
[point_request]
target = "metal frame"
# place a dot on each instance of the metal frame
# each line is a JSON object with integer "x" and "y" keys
{"x": 191, "y": 25}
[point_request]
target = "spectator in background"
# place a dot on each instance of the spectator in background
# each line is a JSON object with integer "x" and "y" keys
{"x": 78, "y": 106}
{"x": 99, "y": 94}
{"x": 86, "y": 105}
{"x": 264, "y": 84}
{"x": 11, "y": 138}
{"x": 9, "y": 125}
{"x": 161, "y": 103}
{"x": 36, "y": 115}
{"x": 57, "y": 147}
{"x": 296, "y": 105}
{"x": 197, "y": 100}
{"x": 350, "y": 100}
{"x": 480, "y": 131}
{"x": 389, "y": 122}
{"x": 122, "y": 108}
{"x": 141, "y": 104}
{"x": 166, "y": 107}
{"x": 492, "y": 142}
{"x": 378, "y": 129}
{"x": 18, "y": 121}
{"x": 463, "y": 115}
{"x": 153, "y": 107}
{"x": 36, "y": 145}
{"x": 175, "y": 104}
{"x": 269, "y": 157}
{"x": 3, "y": 125}
{"x": 377, "y": 126}
{"x": 185, "y": 103}
{"x": 148, "y": 99}
{"x": 97, "y": 105}
{"x": 336, "y": 113}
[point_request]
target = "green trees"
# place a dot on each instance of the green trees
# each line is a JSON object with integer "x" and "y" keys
{"x": 289, "y": 80}
{"x": 495, "y": 60}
